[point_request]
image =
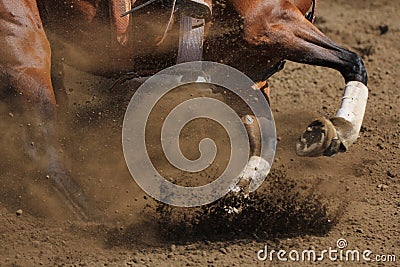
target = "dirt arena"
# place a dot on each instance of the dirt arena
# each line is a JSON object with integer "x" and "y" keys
{"x": 305, "y": 203}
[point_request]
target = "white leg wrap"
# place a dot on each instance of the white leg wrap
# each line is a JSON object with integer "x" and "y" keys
{"x": 352, "y": 111}
{"x": 253, "y": 175}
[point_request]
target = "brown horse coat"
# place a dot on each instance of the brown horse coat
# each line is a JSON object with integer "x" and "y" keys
{"x": 35, "y": 35}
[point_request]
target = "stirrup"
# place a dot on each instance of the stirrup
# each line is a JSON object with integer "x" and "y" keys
{"x": 192, "y": 8}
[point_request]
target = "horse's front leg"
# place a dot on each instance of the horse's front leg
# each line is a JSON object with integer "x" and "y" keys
{"x": 257, "y": 167}
{"x": 284, "y": 30}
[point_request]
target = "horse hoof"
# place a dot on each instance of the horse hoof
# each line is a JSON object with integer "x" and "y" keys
{"x": 71, "y": 193}
{"x": 318, "y": 139}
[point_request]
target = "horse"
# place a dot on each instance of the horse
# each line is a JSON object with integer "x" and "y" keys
{"x": 37, "y": 37}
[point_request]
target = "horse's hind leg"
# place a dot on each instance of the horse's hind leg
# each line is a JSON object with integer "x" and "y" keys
{"x": 285, "y": 31}
{"x": 57, "y": 80}
{"x": 25, "y": 75}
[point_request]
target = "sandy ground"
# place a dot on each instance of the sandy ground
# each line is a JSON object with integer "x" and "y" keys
{"x": 306, "y": 203}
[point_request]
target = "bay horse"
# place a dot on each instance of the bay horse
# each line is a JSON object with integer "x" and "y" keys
{"x": 255, "y": 36}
